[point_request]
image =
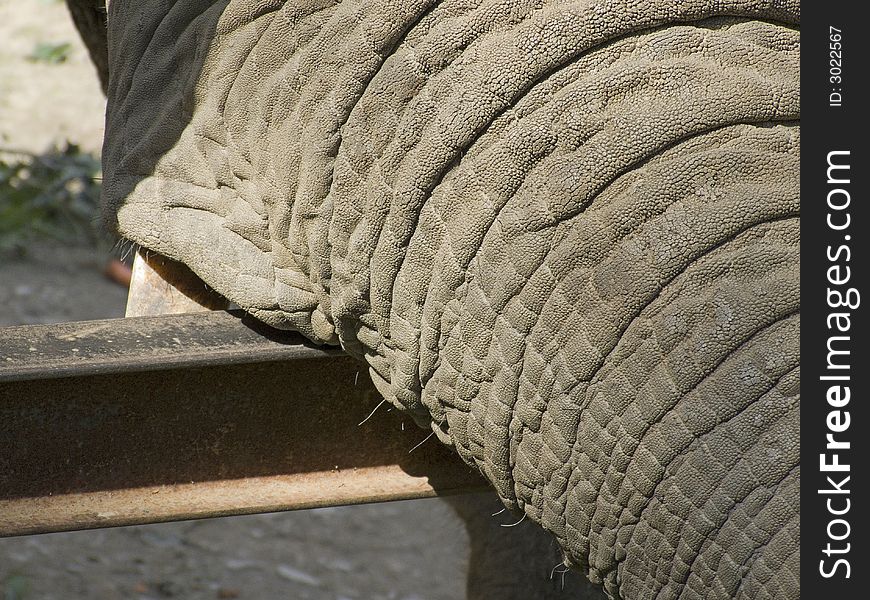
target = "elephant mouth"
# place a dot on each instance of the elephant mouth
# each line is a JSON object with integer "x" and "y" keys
{"x": 564, "y": 237}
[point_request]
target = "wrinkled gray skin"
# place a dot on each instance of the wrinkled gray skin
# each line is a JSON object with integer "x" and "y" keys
{"x": 563, "y": 235}
{"x": 89, "y": 17}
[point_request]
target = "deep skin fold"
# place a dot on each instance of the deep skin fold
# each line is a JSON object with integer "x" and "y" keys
{"x": 565, "y": 237}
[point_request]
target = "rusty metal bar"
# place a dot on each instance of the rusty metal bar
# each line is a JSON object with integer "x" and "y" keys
{"x": 153, "y": 419}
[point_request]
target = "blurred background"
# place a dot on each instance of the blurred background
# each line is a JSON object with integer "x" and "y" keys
{"x": 51, "y": 130}
{"x": 53, "y": 261}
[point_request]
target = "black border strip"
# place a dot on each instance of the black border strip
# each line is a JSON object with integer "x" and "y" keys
{"x": 834, "y": 265}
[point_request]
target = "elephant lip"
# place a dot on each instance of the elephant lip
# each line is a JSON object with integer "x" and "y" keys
{"x": 144, "y": 211}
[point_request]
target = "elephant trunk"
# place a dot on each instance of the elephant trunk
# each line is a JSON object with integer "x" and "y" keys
{"x": 563, "y": 237}
{"x": 89, "y": 17}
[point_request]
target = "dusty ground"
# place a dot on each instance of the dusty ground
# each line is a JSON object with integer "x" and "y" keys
{"x": 372, "y": 552}
{"x": 405, "y": 550}
{"x": 44, "y": 289}
{"x": 43, "y": 104}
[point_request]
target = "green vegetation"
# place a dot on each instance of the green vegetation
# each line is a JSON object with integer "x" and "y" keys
{"x": 50, "y": 53}
{"x": 15, "y": 587}
{"x": 53, "y": 195}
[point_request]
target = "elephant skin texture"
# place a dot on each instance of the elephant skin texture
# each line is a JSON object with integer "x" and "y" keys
{"x": 89, "y": 17}
{"x": 563, "y": 235}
